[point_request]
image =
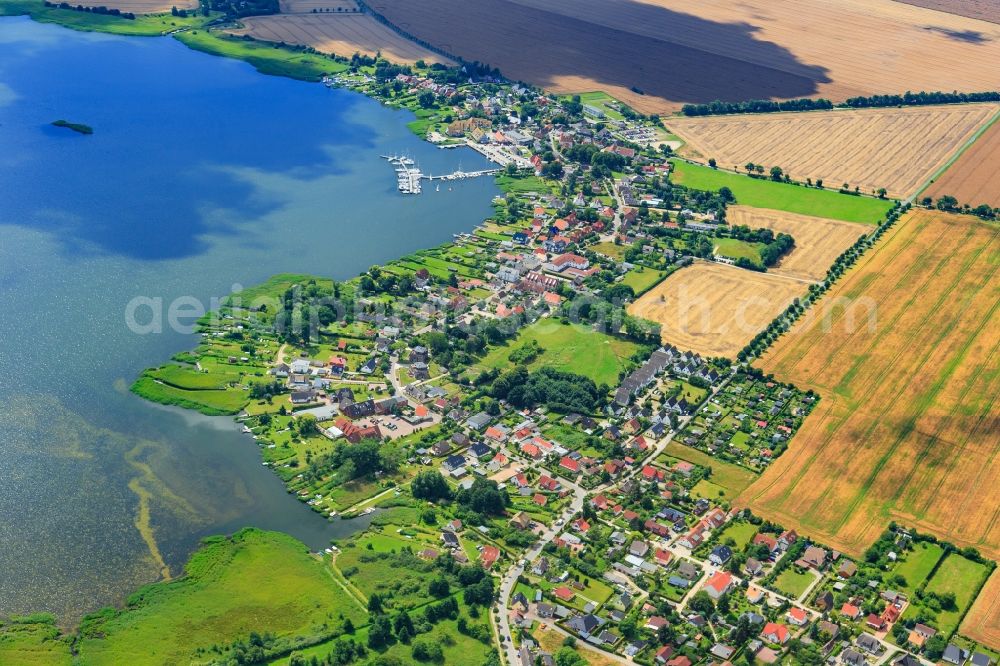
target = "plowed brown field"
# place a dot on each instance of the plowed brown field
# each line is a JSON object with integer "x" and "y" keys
{"x": 715, "y": 309}
{"x": 341, "y": 34}
{"x": 898, "y": 149}
{"x": 818, "y": 241}
{"x": 986, "y": 10}
{"x": 677, "y": 51}
{"x": 975, "y": 177}
{"x": 908, "y": 428}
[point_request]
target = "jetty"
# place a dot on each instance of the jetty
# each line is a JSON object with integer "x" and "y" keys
{"x": 408, "y": 175}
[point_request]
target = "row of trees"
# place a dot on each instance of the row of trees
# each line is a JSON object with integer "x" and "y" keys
{"x": 720, "y": 108}
{"x": 784, "y": 321}
{"x": 950, "y": 204}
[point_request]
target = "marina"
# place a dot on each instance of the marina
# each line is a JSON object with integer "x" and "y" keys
{"x": 408, "y": 175}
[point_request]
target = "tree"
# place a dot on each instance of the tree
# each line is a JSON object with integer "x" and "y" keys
{"x": 702, "y": 603}
{"x": 430, "y": 485}
{"x": 439, "y": 587}
{"x": 426, "y": 649}
{"x": 777, "y": 174}
{"x": 711, "y": 162}
{"x": 426, "y": 99}
{"x": 379, "y": 632}
{"x": 375, "y": 604}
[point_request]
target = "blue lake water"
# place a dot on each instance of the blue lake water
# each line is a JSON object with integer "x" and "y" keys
{"x": 201, "y": 174}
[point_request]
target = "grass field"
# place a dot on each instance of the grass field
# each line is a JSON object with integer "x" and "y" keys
{"x": 733, "y": 478}
{"x": 818, "y": 241}
{"x": 918, "y": 564}
{"x": 342, "y": 35}
{"x": 568, "y": 347}
{"x": 793, "y": 583}
{"x": 956, "y": 575}
{"x": 895, "y": 148}
{"x": 761, "y": 193}
{"x": 141, "y": 25}
{"x": 265, "y": 58}
{"x": 642, "y": 279}
{"x": 737, "y": 249}
{"x": 741, "y": 533}
{"x": 253, "y": 581}
{"x": 904, "y": 353}
{"x": 213, "y": 402}
{"x": 33, "y": 642}
{"x": 715, "y": 309}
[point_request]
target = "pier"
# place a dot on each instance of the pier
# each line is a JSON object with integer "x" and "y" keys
{"x": 408, "y": 176}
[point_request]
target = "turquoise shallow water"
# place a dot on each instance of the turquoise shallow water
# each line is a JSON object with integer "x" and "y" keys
{"x": 201, "y": 174}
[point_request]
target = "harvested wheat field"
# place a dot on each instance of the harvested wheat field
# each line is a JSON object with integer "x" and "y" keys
{"x": 818, "y": 241}
{"x": 715, "y": 309}
{"x": 986, "y": 10}
{"x": 143, "y": 6}
{"x": 343, "y": 35}
{"x": 676, "y": 51}
{"x": 982, "y": 622}
{"x": 898, "y": 149}
{"x": 975, "y": 177}
{"x": 907, "y": 362}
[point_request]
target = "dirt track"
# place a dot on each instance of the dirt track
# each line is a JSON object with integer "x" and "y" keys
{"x": 752, "y": 49}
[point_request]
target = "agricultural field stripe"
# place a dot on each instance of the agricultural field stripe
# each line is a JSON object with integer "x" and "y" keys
{"x": 961, "y": 151}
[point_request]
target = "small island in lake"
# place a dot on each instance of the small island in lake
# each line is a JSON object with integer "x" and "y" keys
{"x": 76, "y": 127}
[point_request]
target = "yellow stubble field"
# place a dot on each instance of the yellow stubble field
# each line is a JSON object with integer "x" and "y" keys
{"x": 908, "y": 428}
{"x": 898, "y": 149}
{"x": 714, "y": 309}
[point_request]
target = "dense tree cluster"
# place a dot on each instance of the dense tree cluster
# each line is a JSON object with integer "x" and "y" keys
{"x": 559, "y": 391}
{"x": 484, "y": 497}
{"x": 430, "y": 485}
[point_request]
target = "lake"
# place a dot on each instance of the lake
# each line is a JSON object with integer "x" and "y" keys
{"x": 201, "y": 174}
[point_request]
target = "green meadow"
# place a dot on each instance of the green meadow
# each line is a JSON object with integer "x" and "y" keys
{"x": 570, "y": 348}
{"x": 266, "y": 58}
{"x": 154, "y": 24}
{"x": 762, "y": 193}
{"x": 252, "y": 581}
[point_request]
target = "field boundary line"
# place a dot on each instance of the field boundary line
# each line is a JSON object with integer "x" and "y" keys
{"x": 961, "y": 151}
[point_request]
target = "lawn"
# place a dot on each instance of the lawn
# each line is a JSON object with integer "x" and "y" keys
{"x": 570, "y": 348}
{"x": 87, "y": 21}
{"x": 737, "y": 249}
{"x": 740, "y": 532}
{"x": 733, "y": 478}
{"x": 643, "y": 279}
{"x": 918, "y": 564}
{"x": 782, "y": 196}
{"x": 252, "y": 581}
{"x": 602, "y": 100}
{"x": 959, "y": 576}
{"x": 793, "y": 583}
{"x": 522, "y": 184}
{"x": 266, "y": 58}
{"x": 613, "y": 250}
